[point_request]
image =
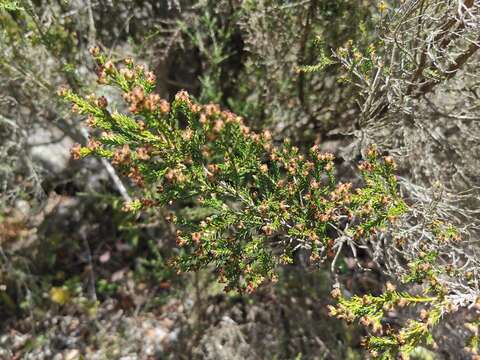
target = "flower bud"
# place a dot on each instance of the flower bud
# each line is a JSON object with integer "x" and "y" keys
{"x": 75, "y": 151}
{"x": 127, "y": 74}
{"x": 94, "y": 51}
{"x": 390, "y": 287}
{"x": 196, "y": 236}
{"x": 267, "y": 135}
{"x": 62, "y": 91}
{"x": 109, "y": 67}
{"x": 151, "y": 78}
{"x": 335, "y": 293}
{"x": 101, "y": 102}
{"x": 138, "y": 94}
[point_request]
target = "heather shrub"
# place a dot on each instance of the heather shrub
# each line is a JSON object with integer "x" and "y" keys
{"x": 261, "y": 205}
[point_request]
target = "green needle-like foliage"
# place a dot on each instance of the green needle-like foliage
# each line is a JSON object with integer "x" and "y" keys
{"x": 265, "y": 201}
{"x": 385, "y": 341}
{"x": 261, "y": 204}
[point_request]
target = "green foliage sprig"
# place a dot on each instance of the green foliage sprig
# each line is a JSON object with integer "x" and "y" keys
{"x": 264, "y": 202}
{"x": 10, "y": 5}
{"x": 385, "y": 340}
{"x": 259, "y": 205}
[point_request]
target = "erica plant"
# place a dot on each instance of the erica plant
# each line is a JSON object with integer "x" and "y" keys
{"x": 263, "y": 204}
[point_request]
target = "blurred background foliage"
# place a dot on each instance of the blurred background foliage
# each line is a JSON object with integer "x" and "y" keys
{"x": 79, "y": 277}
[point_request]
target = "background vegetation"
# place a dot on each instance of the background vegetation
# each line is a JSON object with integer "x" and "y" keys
{"x": 251, "y": 228}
